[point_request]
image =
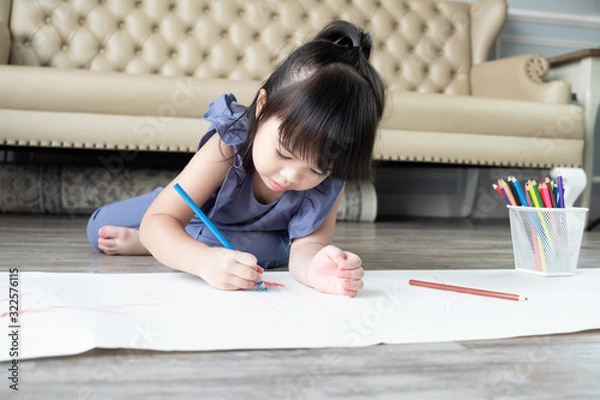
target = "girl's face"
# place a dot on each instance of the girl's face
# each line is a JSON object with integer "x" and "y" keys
{"x": 278, "y": 168}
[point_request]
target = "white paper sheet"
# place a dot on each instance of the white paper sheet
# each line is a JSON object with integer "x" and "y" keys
{"x": 68, "y": 313}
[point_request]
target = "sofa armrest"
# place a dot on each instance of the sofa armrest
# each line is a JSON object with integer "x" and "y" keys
{"x": 518, "y": 78}
{"x": 4, "y": 31}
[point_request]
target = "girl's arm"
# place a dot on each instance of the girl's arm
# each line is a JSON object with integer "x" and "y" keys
{"x": 162, "y": 230}
{"x": 315, "y": 262}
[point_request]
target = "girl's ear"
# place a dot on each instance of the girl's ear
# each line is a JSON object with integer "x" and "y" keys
{"x": 260, "y": 101}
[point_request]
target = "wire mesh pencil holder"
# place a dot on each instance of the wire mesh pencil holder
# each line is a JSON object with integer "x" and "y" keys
{"x": 546, "y": 241}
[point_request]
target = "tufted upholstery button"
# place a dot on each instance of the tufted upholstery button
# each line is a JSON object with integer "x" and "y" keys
{"x": 101, "y": 50}
{"x": 424, "y": 28}
{"x": 173, "y": 54}
{"x": 120, "y": 24}
{"x": 64, "y": 47}
{"x": 27, "y": 42}
{"x": 154, "y": 28}
{"x": 138, "y": 4}
{"x": 189, "y": 31}
{"x": 205, "y": 56}
{"x": 206, "y": 10}
{"x": 172, "y": 7}
{"x": 82, "y": 21}
{"x": 154, "y": 70}
{"x": 256, "y": 36}
{"x": 274, "y": 16}
{"x": 101, "y": 2}
{"x": 224, "y": 33}
{"x": 240, "y": 12}
{"x": 138, "y": 50}
{"x": 305, "y": 17}
{"x": 47, "y": 19}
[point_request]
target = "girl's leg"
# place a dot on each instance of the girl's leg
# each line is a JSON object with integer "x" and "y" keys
{"x": 113, "y": 228}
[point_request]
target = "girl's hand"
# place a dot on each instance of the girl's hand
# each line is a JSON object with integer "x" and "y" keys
{"x": 335, "y": 271}
{"x": 230, "y": 269}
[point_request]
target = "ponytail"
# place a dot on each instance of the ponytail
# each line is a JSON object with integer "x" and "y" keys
{"x": 349, "y": 38}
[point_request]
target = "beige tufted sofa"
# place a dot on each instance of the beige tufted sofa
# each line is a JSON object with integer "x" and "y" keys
{"x": 136, "y": 75}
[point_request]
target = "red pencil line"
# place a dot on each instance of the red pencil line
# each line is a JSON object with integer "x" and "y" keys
{"x": 462, "y": 289}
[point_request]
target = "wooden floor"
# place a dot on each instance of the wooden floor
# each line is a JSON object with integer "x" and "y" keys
{"x": 542, "y": 367}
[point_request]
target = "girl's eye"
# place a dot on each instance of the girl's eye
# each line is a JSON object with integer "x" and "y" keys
{"x": 317, "y": 172}
{"x": 282, "y": 156}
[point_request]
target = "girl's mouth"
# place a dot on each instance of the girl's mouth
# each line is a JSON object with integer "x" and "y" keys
{"x": 276, "y": 186}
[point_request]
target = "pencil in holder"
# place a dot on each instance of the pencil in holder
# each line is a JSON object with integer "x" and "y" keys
{"x": 546, "y": 241}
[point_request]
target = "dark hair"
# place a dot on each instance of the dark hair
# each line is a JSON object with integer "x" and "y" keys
{"x": 330, "y": 101}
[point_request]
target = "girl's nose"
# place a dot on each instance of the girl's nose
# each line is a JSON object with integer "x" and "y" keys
{"x": 290, "y": 175}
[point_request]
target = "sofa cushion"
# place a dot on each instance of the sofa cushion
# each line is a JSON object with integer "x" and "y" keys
{"x": 485, "y": 116}
{"x": 82, "y": 91}
{"x": 476, "y": 149}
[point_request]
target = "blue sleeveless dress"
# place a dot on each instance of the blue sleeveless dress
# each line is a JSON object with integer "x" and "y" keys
{"x": 265, "y": 230}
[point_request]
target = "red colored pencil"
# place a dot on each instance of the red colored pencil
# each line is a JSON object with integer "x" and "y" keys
{"x": 550, "y": 187}
{"x": 463, "y": 289}
{"x": 545, "y": 195}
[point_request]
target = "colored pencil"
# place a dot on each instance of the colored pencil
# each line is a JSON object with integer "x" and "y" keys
{"x": 209, "y": 224}
{"x": 530, "y": 188}
{"x": 502, "y": 193}
{"x": 561, "y": 193}
{"x": 468, "y": 290}
{"x": 514, "y": 192}
{"x": 546, "y": 198}
{"x": 550, "y": 186}
{"x": 509, "y": 193}
{"x": 519, "y": 191}
{"x": 536, "y": 192}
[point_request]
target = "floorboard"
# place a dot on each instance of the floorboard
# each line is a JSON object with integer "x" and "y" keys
{"x": 540, "y": 367}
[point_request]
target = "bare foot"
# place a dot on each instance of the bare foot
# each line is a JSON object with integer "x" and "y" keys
{"x": 115, "y": 240}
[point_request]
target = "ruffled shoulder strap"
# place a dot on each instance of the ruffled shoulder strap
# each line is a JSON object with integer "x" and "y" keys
{"x": 227, "y": 118}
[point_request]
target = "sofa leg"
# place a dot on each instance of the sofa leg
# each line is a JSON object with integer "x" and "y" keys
{"x": 470, "y": 192}
{"x": 574, "y": 181}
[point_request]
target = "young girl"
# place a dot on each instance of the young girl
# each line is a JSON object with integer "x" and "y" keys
{"x": 269, "y": 176}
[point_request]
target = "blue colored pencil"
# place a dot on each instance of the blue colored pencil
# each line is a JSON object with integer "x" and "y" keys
{"x": 519, "y": 191}
{"x": 209, "y": 224}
